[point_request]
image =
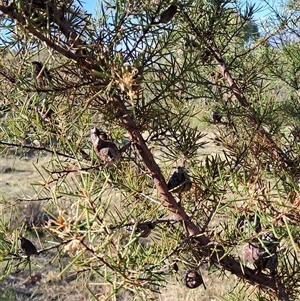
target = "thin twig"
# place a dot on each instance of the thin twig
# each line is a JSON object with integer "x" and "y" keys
{"x": 44, "y": 149}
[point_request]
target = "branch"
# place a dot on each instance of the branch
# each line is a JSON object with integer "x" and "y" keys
{"x": 35, "y": 148}
{"x": 37, "y": 199}
{"x": 66, "y": 30}
{"x": 54, "y": 246}
{"x": 237, "y": 92}
{"x": 66, "y": 171}
{"x": 216, "y": 252}
{"x": 227, "y": 262}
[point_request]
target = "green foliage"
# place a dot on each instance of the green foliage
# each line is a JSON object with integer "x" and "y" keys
{"x": 146, "y": 81}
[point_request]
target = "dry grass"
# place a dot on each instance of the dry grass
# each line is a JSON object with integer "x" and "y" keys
{"x": 17, "y": 175}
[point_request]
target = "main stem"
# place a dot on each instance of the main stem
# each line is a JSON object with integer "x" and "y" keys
{"x": 216, "y": 252}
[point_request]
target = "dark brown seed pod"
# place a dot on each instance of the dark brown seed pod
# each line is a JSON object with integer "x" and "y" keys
{"x": 105, "y": 149}
{"x": 179, "y": 181}
{"x": 103, "y": 136}
{"x": 168, "y": 14}
{"x": 249, "y": 222}
{"x": 175, "y": 267}
{"x": 216, "y": 116}
{"x": 192, "y": 279}
{"x": 270, "y": 244}
{"x": 262, "y": 253}
{"x": 27, "y": 247}
{"x": 253, "y": 253}
{"x": 143, "y": 229}
{"x": 271, "y": 263}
